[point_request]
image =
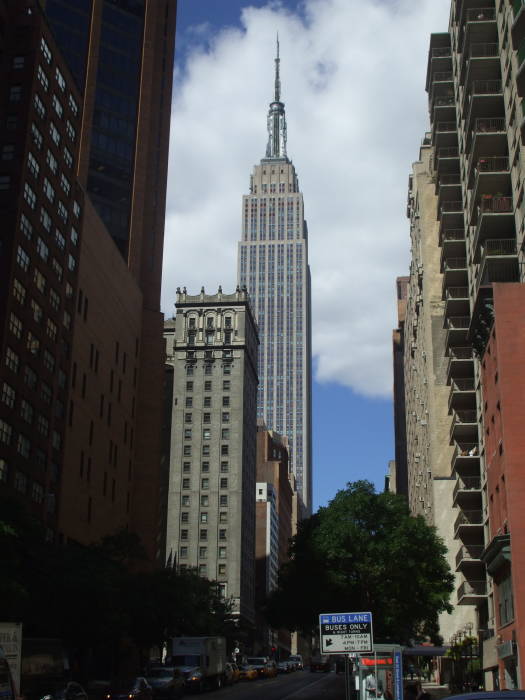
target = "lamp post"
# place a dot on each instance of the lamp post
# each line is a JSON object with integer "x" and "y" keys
{"x": 468, "y": 633}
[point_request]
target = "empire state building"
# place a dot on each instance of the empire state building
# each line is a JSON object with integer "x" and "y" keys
{"x": 273, "y": 264}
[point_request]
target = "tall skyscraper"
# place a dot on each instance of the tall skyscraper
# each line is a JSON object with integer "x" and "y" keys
{"x": 273, "y": 264}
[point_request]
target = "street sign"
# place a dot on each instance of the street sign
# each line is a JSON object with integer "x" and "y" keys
{"x": 342, "y": 633}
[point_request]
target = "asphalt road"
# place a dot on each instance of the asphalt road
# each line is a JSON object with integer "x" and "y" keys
{"x": 301, "y": 685}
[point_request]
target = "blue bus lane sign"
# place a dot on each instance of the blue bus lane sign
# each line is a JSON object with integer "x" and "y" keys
{"x": 343, "y": 633}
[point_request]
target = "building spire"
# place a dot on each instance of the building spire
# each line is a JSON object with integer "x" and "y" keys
{"x": 276, "y": 147}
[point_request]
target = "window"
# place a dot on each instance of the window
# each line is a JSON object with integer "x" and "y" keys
{"x": 49, "y": 190}
{"x": 223, "y": 516}
{"x": 184, "y": 534}
{"x": 206, "y": 450}
{"x": 45, "y": 219}
{"x": 46, "y": 393}
{"x": 206, "y": 434}
{"x": 184, "y": 516}
{"x": 228, "y": 322}
{"x": 203, "y": 534}
{"x": 225, "y": 417}
{"x": 40, "y": 281}
{"x": 191, "y": 338}
{"x": 203, "y": 552}
{"x": 5, "y": 182}
{"x": 29, "y": 377}
{"x": 223, "y": 501}
{"x": 222, "y": 569}
{"x": 186, "y": 467}
{"x": 222, "y": 552}
{"x": 54, "y": 133}
{"x": 11, "y": 360}
{"x": 73, "y": 104}
{"x": 189, "y": 386}
{"x": 36, "y": 311}
{"x": 42, "y": 425}
{"x": 70, "y": 130}
{"x": 6, "y": 432}
{"x": 26, "y": 227}
{"x": 67, "y": 324}
{"x": 224, "y": 483}
{"x": 207, "y": 385}
{"x": 226, "y": 384}
{"x": 185, "y": 483}
{"x": 42, "y": 249}
{"x": 76, "y": 209}
{"x": 224, "y": 449}
{"x": 225, "y": 400}
{"x": 225, "y": 434}
{"x": 204, "y": 517}
{"x": 189, "y": 370}
{"x": 226, "y": 369}
{"x": 15, "y": 93}
{"x": 42, "y": 78}
{"x": 3, "y": 471}
{"x": 205, "y": 500}
{"x": 74, "y": 236}
{"x": 54, "y": 298}
{"x": 20, "y": 481}
{"x": 183, "y": 552}
{"x": 15, "y": 325}
{"x": 37, "y": 492}
{"x": 65, "y": 184}
{"x": 187, "y": 450}
{"x": 205, "y": 483}
{"x": 52, "y": 162}
{"x": 32, "y": 343}
{"x": 39, "y": 106}
{"x": 208, "y": 369}
{"x": 206, "y": 417}
{"x": 8, "y": 395}
{"x": 185, "y": 500}
{"x": 189, "y": 401}
{"x": 62, "y": 211}
{"x": 187, "y": 433}
{"x": 57, "y": 269}
{"x": 56, "y": 440}
{"x": 207, "y": 402}
{"x": 203, "y": 570}
{"x": 48, "y": 361}
{"x": 32, "y": 164}
{"x": 68, "y": 158}
{"x": 29, "y": 195}
{"x": 18, "y": 62}
{"x": 46, "y": 51}
{"x": 59, "y": 239}
{"x": 71, "y": 262}
{"x": 224, "y": 467}
{"x": 187, "y": 417}
{"x": 222, "y": 534}
{"x": 227, "y": 337}
{"x": 57, "y": 106}
{"x": 36, "y": 136}
{"x": 205, "y": 467}
{"x": 11, "y": 122}
{"x": 23, "y": 446}
{"x": 19, "y": 291}
{"x": 60, "y": 79}
{"x": 8, "y": 151}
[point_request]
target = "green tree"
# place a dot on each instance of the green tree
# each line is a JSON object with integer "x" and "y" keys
{"x": 365, "y": 552}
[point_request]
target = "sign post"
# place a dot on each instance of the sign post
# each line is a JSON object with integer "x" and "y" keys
{"x": 343, "y": 633}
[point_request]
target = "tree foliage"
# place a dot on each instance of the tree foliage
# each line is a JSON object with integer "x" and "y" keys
{"x": 365, "y": 552}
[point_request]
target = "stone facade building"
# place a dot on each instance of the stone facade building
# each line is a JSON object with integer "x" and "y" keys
{"x": 211, "y": 347}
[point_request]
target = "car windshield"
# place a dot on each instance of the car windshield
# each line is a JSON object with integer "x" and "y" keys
{"x": 160, "y": 673}
{"x": 186, "y": 660}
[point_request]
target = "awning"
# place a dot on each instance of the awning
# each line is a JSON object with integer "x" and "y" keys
{"x": 424, "y": 650}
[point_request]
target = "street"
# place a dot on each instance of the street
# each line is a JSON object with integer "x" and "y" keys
{"x": 297, "y": 686}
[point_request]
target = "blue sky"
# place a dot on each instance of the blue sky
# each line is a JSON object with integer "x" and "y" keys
{"x": 353, "y": 85}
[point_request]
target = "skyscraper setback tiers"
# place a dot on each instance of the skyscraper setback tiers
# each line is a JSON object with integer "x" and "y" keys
{"x": 273, "y": 264}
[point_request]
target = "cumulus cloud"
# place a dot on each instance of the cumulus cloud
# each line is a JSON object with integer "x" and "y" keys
{"x": 353, "y": 77}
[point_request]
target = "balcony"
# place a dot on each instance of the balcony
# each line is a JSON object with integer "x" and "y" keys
{"x": 479, "y": 26}
{"x": 487, "y": 135}
{"x": 448, "y": 189}
{"x": 499, "y": 262}
{"x": 468, "y": 555}
{"x": 442, "y": 85}
{"x": 454, "y": 274}
{"x": 491, "y": 178}
{"x": 467, "y": 489}
{"x": 468, "y": 521}
{"x": 444, "y": 108}
{"x": 456, "y": 301}
{"x": 472, "y": 592}
{"x": 495, "y": 218}
{"x": 462, "y": 394}
{"x": 460, "y": 363}
{"x": 484, "y": 99}
{"x": 457, "y": 330}
{"x": 445, "y": 134}
{"x": 464, "y": 426}
{"x": 480, "y": 62}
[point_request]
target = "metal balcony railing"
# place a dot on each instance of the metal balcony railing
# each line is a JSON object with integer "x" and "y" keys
{"x": 444, "y": 102}
{"x": 448, "y": 152}
{"x": 453, "y": 234}
{"x": 493, "y": 164}
{"x": 446, "y": 126}
{"x": 458, "y": 322}
{"x": 462, "y": 417}
{"x": 469, "y": 588}
{"x": 450, "y": 179}
{"x": 455, "y": 264}
{"x": 456, "y": 293}
{"x": 483, "y": 50}
{"x": 441, "y": 52}
{"x": 499, "y": 246}
{"x": 470, "y": 553}
{"x": 484, "y": 125}
{"x": 485, "y": 87}
{"x": 466, "y": 449}
{"x": 481, "y": 14}
{"x": 495, "y": 205}
{"x": 468, "y": 517}
{"x": 442, "y": 76}
{"x": 460, "y": 353}
{"x": 464, "y": 384}
{"x": 451, "y": 207}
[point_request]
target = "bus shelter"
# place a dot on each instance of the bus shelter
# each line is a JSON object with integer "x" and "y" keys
{"x": 379, "y": 674}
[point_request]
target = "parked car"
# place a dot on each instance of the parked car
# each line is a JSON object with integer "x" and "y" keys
{"x": 259, "y": 664}
{"x": 166, "y": 682}
{"x": 247, "y": 673}
{"x": 67, "y": 690}
{"x": 136, "y": 688}
{"x": 297, "y": 660}
{"x": 284, "y": 667}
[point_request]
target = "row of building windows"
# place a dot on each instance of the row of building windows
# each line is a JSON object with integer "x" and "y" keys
{"x": 208, "y": 386}
{"x": 206, "y": 433}
{"x": 22, "y": 483}
{"x": 205, "y": 483}
{"x": 205, "y": 467}
{"x": 204, "y": 500}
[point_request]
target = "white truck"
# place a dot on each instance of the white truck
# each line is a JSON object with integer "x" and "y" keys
{"x": 201, "y": 660}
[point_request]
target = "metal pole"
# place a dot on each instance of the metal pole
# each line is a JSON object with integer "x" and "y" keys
{"x": 375, "y": 670}
{"x": 347, "y": 678}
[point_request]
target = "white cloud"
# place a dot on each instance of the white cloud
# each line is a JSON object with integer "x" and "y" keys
{"x": 353, "y": 77}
